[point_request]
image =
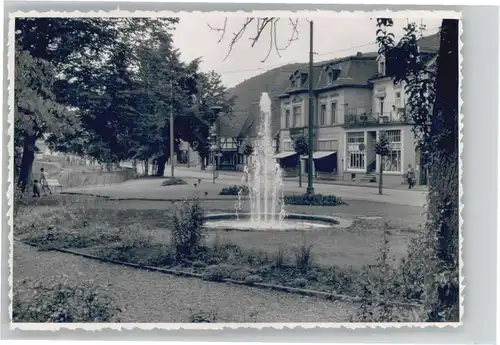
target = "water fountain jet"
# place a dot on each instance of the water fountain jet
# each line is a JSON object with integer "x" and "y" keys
{"x": 264, "y": 180}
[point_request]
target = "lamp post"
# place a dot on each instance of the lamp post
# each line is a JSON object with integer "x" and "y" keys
{"x": 215, "y": 142}
{"x": 310, "y": 188}
{"x": 213, "y": 151}
{"x": 171, "y": 126}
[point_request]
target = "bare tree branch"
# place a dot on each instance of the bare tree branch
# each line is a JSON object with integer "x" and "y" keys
{"x": 275, "y": 40}
{"x": 237, "y": 36}
{"x": 265, "y": 22}
{"x": 270, "y": 43}
{"x": 295, "y": 33}
{"x": 223, "y": 30}
{"x": 261, "y": 25}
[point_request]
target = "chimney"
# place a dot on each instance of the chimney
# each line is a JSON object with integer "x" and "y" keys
{"x": 359, "y": 54}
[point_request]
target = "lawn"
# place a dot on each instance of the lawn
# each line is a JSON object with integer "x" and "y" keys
{"x": 331, "y": 260}
{"x": 355, "y": 246}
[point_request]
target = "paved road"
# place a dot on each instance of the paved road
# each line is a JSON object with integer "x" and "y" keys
{"x": 150, "y": 188}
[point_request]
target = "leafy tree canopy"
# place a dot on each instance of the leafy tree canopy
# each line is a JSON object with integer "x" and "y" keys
{"x": 301, "y": 145}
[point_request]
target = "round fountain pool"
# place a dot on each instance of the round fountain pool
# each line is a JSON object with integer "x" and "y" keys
{"x": 291, "y": 222}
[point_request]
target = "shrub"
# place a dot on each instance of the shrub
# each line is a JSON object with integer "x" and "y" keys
{"x": 381, "y": 289}
{"x": 299, "y": 282}
{"x": 303, "y": 255}
{"x": 216, "y": 273}
{"x": 313, "y": 200}
{"x": 254, "y": 257}
{"x": 58, "y": 302}
{"x": 188, "y": 231}
{"x": 279, "y": 258}
{"x": 235, "y": 190}
{"x": 253, "y": 279}
{"x": 173, "y": 182}
{"x": 198, "y": 264}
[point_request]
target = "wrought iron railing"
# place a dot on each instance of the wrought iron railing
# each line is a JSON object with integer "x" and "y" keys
{"x": 377, "y": 119}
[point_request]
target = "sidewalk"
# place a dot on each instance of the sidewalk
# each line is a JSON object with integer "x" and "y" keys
{"x": 316, "y": 181}
{"x": 151, "y": 189}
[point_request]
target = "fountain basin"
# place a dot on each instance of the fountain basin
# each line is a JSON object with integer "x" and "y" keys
{"x": 291, "y": 222}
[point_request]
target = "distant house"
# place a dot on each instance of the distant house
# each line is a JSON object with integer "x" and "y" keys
{"x": 239, "y": 128}
{"x": 187, "y": 155}
{"x": 354, "y": 100}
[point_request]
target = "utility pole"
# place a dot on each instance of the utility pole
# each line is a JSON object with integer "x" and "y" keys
{"x": 171, "y": 130}
{"x": 310, "y": 188}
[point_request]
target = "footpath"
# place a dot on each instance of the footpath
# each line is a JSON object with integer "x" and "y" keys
{"x": 200, "y": 183}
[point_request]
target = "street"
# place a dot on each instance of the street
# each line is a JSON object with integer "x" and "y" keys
{"x": 150, "y": 189}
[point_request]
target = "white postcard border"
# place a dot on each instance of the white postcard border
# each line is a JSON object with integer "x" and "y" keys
{"x": 219, "y": 326}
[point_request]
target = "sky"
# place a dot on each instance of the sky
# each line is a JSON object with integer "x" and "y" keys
{"x": 333, "y": 37}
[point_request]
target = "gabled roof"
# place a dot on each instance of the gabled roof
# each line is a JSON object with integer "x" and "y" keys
{"x": 353, "y": 72}
{"x": 229, "y": 124}
{"x": 243, "y": 124}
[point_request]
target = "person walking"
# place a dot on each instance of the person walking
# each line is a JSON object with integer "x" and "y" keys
{"x": 411, "y": 177}
{"x": 37, "y": 187}
{"x": 44, "y": 182}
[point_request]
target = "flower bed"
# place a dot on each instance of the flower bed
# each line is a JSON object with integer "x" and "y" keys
{"x": 174, "y": 181}
{"x": 313, "y": 200}
{"x": 235, "y": 190}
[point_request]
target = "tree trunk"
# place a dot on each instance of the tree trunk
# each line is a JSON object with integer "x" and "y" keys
{"x": 300, "y": 172}
{"x": 162, "y": 161}
{"x": 27, "y": 162}
{"x": 146, "y": 167}
{"x": 443, "y": 210}
{"x": 380, "y": 175}
{"x": 134, "y": 166}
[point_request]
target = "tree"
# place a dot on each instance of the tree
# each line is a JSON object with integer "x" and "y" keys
{"x": 210, "y": 93}
{"x": 382, "y": 149}
{"x": 122, "y": 80}
{"x": 36, "y": 110}
{"x": 51, "y": 53}
{"x": 248, "y": 149}
{"x": 301, "y": 147}
{"x": 433, "y": 95}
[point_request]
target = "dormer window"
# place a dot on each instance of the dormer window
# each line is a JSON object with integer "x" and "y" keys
{"x": 381, "y": 65}
{"x": 332, "y": 73}
{"x": 294, "y": 84}
{"x": 330, "y": 77}
{"x": 381, "y": 68}
{"x": 302, "y": 79}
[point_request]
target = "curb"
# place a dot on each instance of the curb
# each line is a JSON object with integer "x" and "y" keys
{"x": 265, "y": 286}
{"x": 229, "y": 197}
{"x": 220, "y": 197}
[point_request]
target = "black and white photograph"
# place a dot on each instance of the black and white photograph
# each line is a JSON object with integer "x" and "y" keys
{"x": 235, "y": 168}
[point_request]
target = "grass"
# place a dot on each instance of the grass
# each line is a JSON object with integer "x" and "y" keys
{"x": 89, "y": 217}
{"x": 327, "y": 260}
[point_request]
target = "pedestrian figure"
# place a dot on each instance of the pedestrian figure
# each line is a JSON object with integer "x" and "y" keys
{"x": 411, "y": 177}
{"x": 37, "y": 188}
{"x": 44, "y": 182}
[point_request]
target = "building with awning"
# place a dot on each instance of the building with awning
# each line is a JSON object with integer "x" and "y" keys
{"x": 284, "y": 154}
{"x": 354, "y": 100}
{"x": 320, "y": 154}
